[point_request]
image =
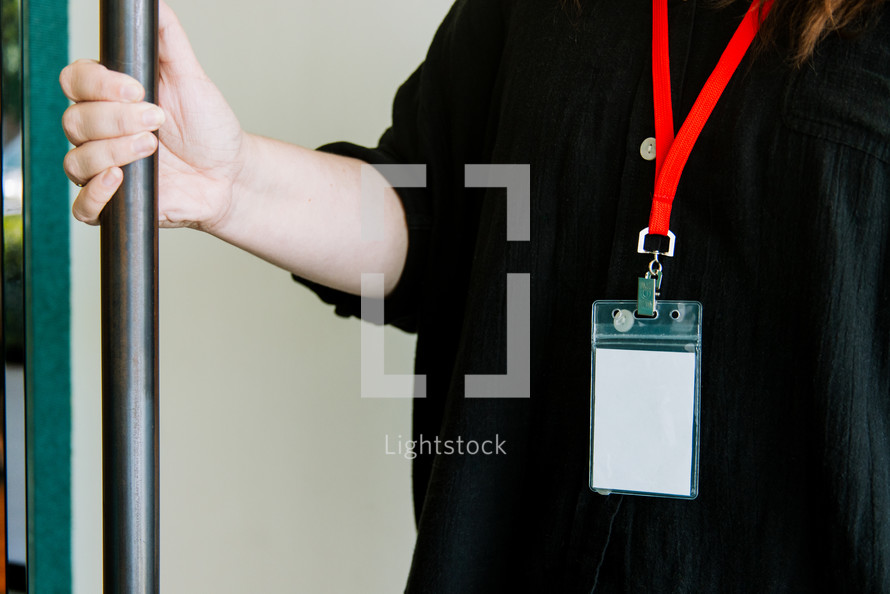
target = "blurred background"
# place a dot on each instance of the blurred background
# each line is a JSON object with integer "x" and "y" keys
{"x": 274, "y": 476}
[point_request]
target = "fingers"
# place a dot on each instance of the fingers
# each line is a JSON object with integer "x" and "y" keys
{"x": 87, "y": 80}
{"x": 98, "y": 120}
{"x": 111, "y": 127}
{"x": 95, "y": 195}
{"x": 83, "y": 163}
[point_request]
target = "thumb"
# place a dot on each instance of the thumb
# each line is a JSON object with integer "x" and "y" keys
{"x": 174, "y": 50}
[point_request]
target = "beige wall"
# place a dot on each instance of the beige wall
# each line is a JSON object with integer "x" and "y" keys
{"x": 274, "y": 476}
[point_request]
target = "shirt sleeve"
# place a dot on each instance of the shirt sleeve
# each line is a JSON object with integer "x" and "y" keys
{"x": 440, "y": 118}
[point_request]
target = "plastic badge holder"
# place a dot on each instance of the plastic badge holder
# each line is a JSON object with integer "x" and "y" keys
{"x": 644, "y": 399}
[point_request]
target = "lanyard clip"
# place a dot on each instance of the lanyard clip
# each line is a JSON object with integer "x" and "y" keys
{"x": 648, "y": 288}
{"x": 649, "y": 244}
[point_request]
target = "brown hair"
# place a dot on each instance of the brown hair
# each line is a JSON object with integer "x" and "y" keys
{"x": 802, "y": 24}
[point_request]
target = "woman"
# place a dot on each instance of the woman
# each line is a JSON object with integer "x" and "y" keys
{"x": 782, "y": 215}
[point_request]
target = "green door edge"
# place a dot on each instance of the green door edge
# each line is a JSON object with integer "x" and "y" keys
{"x": 47, "y": 300}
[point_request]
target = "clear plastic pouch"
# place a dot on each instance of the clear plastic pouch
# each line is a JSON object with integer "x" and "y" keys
{"x": 644, "y": 399}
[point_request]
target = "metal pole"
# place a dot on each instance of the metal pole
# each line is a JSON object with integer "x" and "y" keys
{"x": 129, "y": 255}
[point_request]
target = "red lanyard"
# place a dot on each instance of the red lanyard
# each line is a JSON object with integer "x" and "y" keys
{"x": 671, "y": 154}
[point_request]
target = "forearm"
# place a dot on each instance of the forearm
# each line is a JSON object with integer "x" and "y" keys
{"x": 300, "y": 209}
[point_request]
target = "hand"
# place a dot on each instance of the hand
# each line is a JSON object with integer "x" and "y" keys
{"x": 297, "y": 208}
{"x": 200, "y": 142}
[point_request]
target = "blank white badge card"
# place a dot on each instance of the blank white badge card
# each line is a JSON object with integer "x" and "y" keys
{"x": 643, "y": 422}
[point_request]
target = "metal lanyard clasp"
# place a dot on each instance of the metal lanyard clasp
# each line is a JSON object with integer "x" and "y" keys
{"x": 649, "y": 286}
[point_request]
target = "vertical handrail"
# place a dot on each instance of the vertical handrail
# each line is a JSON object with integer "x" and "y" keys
{"x": 129, "y": 255}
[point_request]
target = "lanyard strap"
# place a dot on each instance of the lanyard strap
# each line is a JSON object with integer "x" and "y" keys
{"x": 671, "y": 154}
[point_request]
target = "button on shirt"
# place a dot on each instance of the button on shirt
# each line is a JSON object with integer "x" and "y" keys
{"x": 647, "y": 149}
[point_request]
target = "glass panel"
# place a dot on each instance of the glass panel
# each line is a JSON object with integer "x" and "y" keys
{"x": 12, "y": 489}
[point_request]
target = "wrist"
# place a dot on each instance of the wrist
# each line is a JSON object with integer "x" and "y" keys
{"x": 240, "y": 180}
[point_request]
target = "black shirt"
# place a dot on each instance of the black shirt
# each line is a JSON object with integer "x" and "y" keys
{"x": 783, "y": 224}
